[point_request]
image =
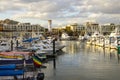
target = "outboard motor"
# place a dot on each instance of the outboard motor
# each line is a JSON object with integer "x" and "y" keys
{"x": 40, "y": 76}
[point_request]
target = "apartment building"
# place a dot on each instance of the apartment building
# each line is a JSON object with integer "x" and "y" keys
{"x": 25, "y": 29}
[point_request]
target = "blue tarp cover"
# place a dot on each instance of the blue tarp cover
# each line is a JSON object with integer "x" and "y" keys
{"x": 30, "y": 39}
{"x": 11, "y": 72}
{"x": 7, "y": 67}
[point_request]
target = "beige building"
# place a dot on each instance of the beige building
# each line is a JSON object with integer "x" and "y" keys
{"x": 108, "y": 28}
{"x": 76, "y": 27}
{"x": 25, "y": 29}
{"x": 92, "y": 27}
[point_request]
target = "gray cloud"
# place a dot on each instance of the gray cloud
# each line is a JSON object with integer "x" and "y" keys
{"x": 63, "y": 10}
{"x": 30, "y": 1}
{"x": 103, "y": 6}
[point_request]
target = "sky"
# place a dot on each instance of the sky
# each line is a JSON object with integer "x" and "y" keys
{"x": 61, "y": 12}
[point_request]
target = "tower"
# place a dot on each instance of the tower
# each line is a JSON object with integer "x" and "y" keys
{"x": 49, "y": 25}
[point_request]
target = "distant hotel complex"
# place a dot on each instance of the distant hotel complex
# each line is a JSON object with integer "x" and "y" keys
{"x": 10, "y": 30}
{"x": 90, "y": 28}
{"x": 26, "y": 29}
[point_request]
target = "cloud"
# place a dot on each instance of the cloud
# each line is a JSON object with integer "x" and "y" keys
{"x": 29, "y": 1}
{"x": 64, "y": 11}
{"x": 103, "y": 6}
{"x": 11, "y": 5}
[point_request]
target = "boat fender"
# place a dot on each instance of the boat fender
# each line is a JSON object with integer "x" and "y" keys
{"x": 40, "y": 76}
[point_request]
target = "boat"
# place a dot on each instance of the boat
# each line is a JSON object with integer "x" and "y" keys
{"x": 15, "y": 57}
{"x": 4, "y": 46}
{"x": 43, "y": 44}
{"x": 16, "y": 54}
{"x": 83, "y": 37}
{"x": 97, "y": 39}
{"x": 107, "y": 42}
{"x": 17, "y": 61}
{"x": 49, "y": 44}
{"x": 114, "y": 39}
{"x": 4, "y": 56}
{"x": 65, "y": 36}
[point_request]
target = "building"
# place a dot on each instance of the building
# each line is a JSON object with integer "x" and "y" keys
{"x": 24, "y": 29}
{"x": 92, "y": 27}
{"x": 106, "y": 29}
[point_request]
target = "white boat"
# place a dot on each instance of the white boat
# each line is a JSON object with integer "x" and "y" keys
{"x": 43, "y": 47}
{"x": 81, "y": 38}
{"x": 112, "y": 41}
{"x": 97, "y": 39}
{"x": 5, "y": 46}
{"x": 58, "y": 45}
{"x": 107, "y": 42}
{"x": 65, "y": 36}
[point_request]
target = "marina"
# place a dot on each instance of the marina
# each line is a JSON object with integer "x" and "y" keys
{"x": 76, "y": 60}
{"x": 61, "y": 58}
{"x": 59, "y": 40}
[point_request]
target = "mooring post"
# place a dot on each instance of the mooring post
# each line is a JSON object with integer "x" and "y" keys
{"x": 11, "y": 45}
{"x": 54, "y": 60}
{"x": 110, "y": 42}
{"x": 118, "y": 47}
{"x": 104, "y": 42}
{"x": 17, "y": 43}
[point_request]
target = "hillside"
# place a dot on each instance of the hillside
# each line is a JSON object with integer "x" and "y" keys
{"x": 8, "y": 21}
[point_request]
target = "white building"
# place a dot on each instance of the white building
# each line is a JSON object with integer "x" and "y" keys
{"x": 24, "y": 29}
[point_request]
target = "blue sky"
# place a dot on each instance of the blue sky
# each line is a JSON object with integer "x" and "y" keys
{"x": 61, "y": 11}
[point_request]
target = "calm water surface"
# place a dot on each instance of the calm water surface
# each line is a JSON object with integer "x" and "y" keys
{"x": 84, "y": 62}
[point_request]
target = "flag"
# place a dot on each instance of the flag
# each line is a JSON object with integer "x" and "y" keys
{"x": 37, "y": 61}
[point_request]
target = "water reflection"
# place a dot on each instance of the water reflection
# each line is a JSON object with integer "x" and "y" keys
{"x": 84, "y": 62}
{"x": 72, "y": 47}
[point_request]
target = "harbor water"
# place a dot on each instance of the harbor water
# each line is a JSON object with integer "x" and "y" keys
{"x": 79, "y": 61}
